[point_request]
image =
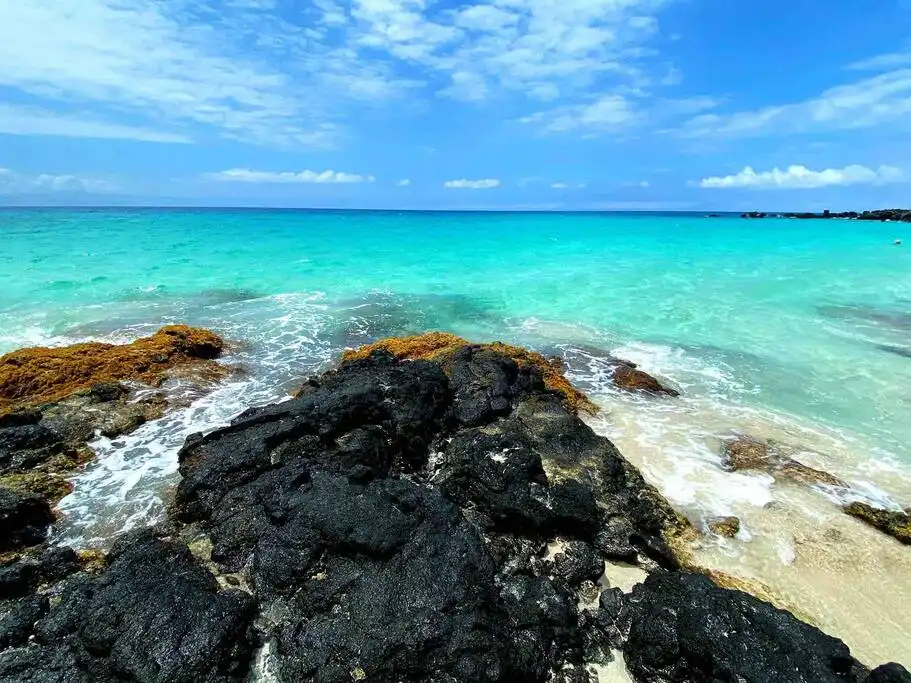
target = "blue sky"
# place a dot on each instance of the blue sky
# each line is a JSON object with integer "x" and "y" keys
{"x": 512, "y": 104}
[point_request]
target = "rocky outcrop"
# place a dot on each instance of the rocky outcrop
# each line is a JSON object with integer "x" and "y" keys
{"x": 53, "y": 401}
{"x": 627, "y": 376}
{"x": 894, "y": 523}
{"x": 684, "y": 628}
{"x": 745, "y": 453}
{"x": 898, "y": 215}
{"x": 419, "y": 520}
{"x": 31, "y": 377}
{"x": 153, "y": 615}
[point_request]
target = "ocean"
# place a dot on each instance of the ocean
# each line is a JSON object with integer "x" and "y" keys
{"x": 798, "y": 331}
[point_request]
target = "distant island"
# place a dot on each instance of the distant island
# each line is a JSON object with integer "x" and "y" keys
{"x": 897, "y": 215}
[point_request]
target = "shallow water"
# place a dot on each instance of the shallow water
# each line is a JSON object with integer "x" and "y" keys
{"x": 793, "y": 330}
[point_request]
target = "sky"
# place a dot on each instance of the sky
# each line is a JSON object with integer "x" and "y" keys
{"x": 415, "y": 104}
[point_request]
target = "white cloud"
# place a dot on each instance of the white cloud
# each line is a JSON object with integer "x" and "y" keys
{"x": 884, "y": 61}
{"x": 242, "y": 69}
{"x": 405, "y": 182}
{"x": 871, "y": 102}
{"x": 644, "y": 184}
{"x": 614, "y": 113}
{"x": 485, "y": 184}
{"x": 34, "y": 121}
{"x": 245, "y": 175}
{"x": 606, "y": 113}
{"x": 802, "y": 178}
{"x": 485, "y": 18}
{"x": 559, "y": 186}
{"x": 12, "y": 182}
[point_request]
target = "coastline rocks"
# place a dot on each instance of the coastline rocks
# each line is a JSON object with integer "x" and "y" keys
{"x": 412, "y": 520}
{"x": 53, "y": 401}
{"x": 724, "y": 526}
{"x": 154, "y": 615}
{"x": 24, "y": 520}
{"x": 31, "y": 377}
{"x": 745, "y": 453}
{"x": 895, "y": 524}
{"x": 684, "y": 628}
{"x": 628, "y": 377}
{"x": 393, "y": 518}
{"x": 898, "y": 215}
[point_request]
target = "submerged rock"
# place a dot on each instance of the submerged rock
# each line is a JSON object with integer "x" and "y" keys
{"x": 724, "y": 526}
{"x": 632, "y": 379}
{"x": 745, "y": 453}
{"x": 896, "y": 524}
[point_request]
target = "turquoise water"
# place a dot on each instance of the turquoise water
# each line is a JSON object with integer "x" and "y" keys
{"x": 800, "y": 320}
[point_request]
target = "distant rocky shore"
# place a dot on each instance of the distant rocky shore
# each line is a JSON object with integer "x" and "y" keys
{"x": 895, "y": 215}
{"x": 431, "y": 510}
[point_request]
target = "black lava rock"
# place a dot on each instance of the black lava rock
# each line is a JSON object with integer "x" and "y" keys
{"x": 684, "y": 628}
{"x": 24, "y": 520}
{"x": 154, "y": 615}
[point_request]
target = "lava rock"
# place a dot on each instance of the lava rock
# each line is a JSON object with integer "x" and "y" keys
{"x": 889, "y": 673}
{"x": 24, "y": 520}
{"x": 155, "y": 615}
{"x": 684, "y": 628}
{"x": 18, "y": 617}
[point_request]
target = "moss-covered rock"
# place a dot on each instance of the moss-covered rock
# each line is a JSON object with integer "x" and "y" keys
{"x": 724, "y": 526}
{"x": 31, "y": 377}
{"x": 630, "y": 378}
{"x": 896, "y": 524}
{"x": 441, "y": 346}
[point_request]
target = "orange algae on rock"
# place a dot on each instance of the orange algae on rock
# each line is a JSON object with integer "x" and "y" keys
{"x": 33, "y": 376}
{"x": 438, "y": 346}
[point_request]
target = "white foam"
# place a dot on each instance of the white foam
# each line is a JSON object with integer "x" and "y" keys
{"x": 125, "y": 487}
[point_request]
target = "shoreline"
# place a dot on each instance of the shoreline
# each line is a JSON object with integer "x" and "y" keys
{"x": 700, "y": 558}
{"x": 881, "y": 215}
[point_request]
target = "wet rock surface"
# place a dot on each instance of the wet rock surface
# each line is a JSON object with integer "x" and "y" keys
{"x": 892, "y": 522}
{"x": 24, "y": 519}
{"x": 684, "y": 628}
{"x": 43, "y": 441}
{"x": 630, "y": 378}
{"x": 746, "y": 453}
{"x": 401, "y": 520}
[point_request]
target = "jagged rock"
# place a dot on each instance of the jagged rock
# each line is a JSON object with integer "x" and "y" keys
{"x": 398, "y": 520}
{"x": 23, "y": 573}
{"x": 24, "y": 520}
{"x": 578, "y": 561}
{"x": 18, "y": 617}
{"x": 724, "y": 526}
{"x": 154, "y": 615}
{"x": 309, "y": 495}
{"x": 891, "y": 522}
{"x": 889, "y": 673}
{"x": 684, "y": 628}
{"x": 630, "y": 378}
{"x": 20, "y": 417}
